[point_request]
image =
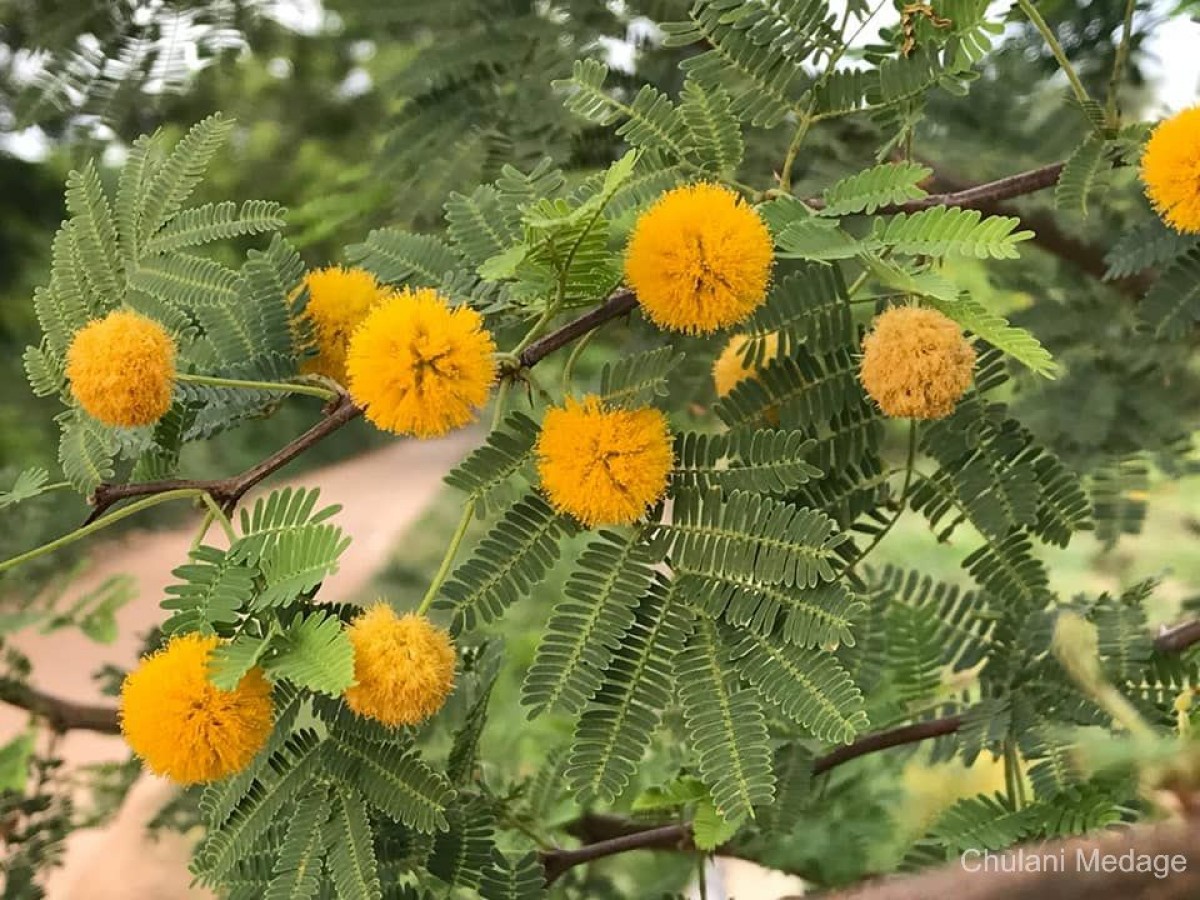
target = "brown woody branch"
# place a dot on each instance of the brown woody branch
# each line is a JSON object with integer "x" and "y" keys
{"x": 971, "y": 197}
{"x": 611, "y": 835}
{"x": 1179, "y": 638}
{"x": 620, "y": 303}
{"x": 228, "y": 491}
{"x": 558, "y": 862}
{"x": 61, "y": 715}
{"x": 989, "y": 192}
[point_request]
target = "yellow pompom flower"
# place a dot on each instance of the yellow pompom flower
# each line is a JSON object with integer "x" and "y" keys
{"x": 1171, "y": 170}
{"x": 185, "y": 727}
{"x": 604, "y": 466}
{"x": 419, "y": 366}
{"x": 338, "y": 301}
{"x": 122, "y": 369}
{"x": 403, "y": 666}
{"x": 699, "y": 259}
{"x": 916, "y": 363}
{"x": 730, "y": 369}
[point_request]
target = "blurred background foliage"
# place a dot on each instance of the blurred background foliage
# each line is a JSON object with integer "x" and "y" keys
{"x": 360, "y": 113}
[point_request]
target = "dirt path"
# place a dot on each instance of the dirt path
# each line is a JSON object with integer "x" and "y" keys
{"x": 381, "y": 493}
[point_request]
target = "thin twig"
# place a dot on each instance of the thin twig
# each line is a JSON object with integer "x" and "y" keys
{"x": 665, "y": 837}
{"x": 228, "y": 491}
{"x": 1179, "y": 638}
{"x": 1056, "y": 47}
{"x": 901, "y": 502}
{"x": 1111, "y": 114}
{"x": 620, "y": 303}
{"x": 1018, "y": 185}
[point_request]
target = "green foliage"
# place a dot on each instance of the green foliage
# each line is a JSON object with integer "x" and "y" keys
{"x": 1172, "y": 307}
{"x": 944, "y": 230}
{"x": 285, "y": 550}
{"x": 751, "y": 536}
{"x": 312, "y": 652}
{"x": 130, "y": 252}
{"x": 28, "y": 484}
{"x": 588, "y": 624}
{"x": 727, "y": 726}
{"x": 508, "y": 563}
{"x": 634, "y": 381}
{"x": 616, "y": 725}
{"x": 700, "y": 664}
{"x": 1079, "y": 175}
{"x": 505, "y": 453}
{"x": 889, "y": 184}
{"x": 770, "y": 462}
{"x": 1016, "y": 342}
{"x": 805, "y": 684}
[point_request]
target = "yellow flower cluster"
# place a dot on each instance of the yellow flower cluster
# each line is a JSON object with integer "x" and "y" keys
{"x": 403, "y": 666}
{"x": 338, "y": 302}
{"x": 916, "y": 363}
{"x": 699, "y": 259}
{"x": 419, "y": 366}
{"x": 122, "y": 369}
{"x": 604, "y": 466}
{"x": 182, "y": 725}
{"x": 1171, "y": 170}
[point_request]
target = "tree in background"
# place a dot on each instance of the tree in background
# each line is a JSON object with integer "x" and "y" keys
{"x": 839, "y": 231}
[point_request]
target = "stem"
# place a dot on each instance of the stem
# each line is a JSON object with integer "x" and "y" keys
{"x": 1014, "y": 779}
{"x": 215, "y": 512}
{"x": 620, "y": 303}
{"x": 1035, "y": 18}
{"x": 538, "y": 327}
{"x": 1114, "y": 81}
{"x": 793, "y": 150}
{"x": 93, "y": 527}
{"x": 204, "y": 526}
{"x": 702, "y": 875}
{"x": 443, "y": 571}
{"x": 501, "y": 401}
{"x": 903, "y": 498}
{"x": 576, "y": 352}
{"x": 289, "y": 387}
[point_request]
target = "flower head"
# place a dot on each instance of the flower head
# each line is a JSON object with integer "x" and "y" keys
{"x": 604, "y": 466}
{"x": 419, "y": 366}
{"x": 699, "y": 259}
{"x": 731, "y": 369}
{"x": 916, "y": 363}
{"x": 185, "y": 727}
{"x": 403, "y": 666}
{"x": 122, "y": 369}
{"x": 338, "y": 301}
{"x": 1171, "y": 170}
